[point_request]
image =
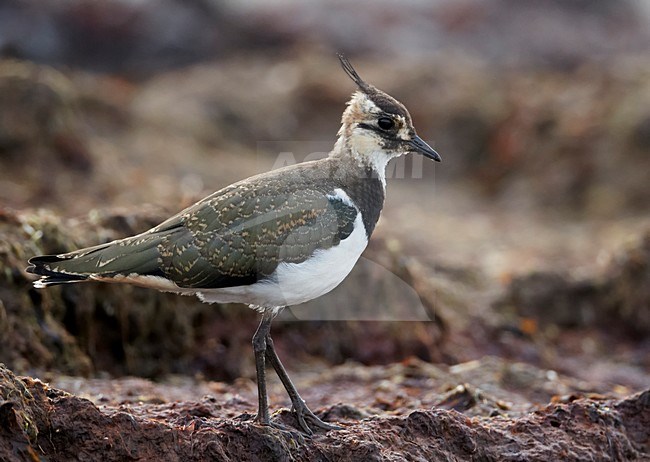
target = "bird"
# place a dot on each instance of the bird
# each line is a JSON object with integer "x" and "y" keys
{"x": 273, "y": 240}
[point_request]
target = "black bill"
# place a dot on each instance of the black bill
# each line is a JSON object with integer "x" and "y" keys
{"x": 423, "y": 148}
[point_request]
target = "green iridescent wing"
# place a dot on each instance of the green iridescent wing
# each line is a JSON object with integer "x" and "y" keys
{"x": 239, "y": 238}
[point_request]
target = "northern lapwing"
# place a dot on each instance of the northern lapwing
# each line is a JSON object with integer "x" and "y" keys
{"x": 273, "y": 240}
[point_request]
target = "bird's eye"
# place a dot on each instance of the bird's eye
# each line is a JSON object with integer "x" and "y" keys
{"x": 385, "y": 123}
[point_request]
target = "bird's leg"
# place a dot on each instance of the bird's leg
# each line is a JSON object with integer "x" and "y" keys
{"x": 303, "y": 413}
{"x": 259, "y": 347}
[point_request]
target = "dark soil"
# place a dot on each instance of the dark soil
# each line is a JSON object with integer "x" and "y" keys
{"x": 40, "y": 422}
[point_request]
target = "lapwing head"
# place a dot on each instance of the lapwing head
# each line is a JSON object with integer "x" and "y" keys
{"x": 378, "y": 126}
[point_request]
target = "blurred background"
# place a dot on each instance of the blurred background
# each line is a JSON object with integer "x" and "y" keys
{"x": 529, "y": 242}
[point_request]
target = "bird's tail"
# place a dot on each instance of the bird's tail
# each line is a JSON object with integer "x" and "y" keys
{"x": 138, "y": 254}
{"x": 41, "y": 266}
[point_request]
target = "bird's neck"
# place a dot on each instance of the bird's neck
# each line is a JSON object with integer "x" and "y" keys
{"x": 362, "y": 153}
{"x": 363, "y": 173}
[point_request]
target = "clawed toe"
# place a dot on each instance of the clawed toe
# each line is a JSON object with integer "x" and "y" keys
{"x": 308, "y": 422}
{"x": 307, "y": 419}
{"x": 265, "y": 422}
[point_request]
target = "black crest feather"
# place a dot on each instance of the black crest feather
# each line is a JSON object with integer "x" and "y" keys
{"x": 349, "y": 70}
{"x": 385, "y": 102}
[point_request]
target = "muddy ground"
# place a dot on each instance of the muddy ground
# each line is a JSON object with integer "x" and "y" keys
{"x": 500, "y": 312}
{"x": 395, "y": 416}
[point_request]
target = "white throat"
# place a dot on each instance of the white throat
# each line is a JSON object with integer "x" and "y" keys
{"x": 365, "y": 150}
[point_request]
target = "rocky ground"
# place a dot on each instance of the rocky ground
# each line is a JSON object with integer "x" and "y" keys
{"x": 501, "y": 311}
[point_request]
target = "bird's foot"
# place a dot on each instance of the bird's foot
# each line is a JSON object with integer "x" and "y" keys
{"x": 289, "y": 432}
{"x": 272, "y": 424}
{"x": 265, "y": 422}
{"x": 307, "y": 419}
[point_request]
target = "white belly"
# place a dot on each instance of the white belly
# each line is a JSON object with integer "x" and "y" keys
{"x": 294, "y": 283}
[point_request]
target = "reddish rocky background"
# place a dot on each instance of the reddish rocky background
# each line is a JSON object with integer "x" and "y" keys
{"x": 501, "y": 311}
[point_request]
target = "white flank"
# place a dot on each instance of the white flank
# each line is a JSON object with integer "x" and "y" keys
{"x": 294, "y": 283}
